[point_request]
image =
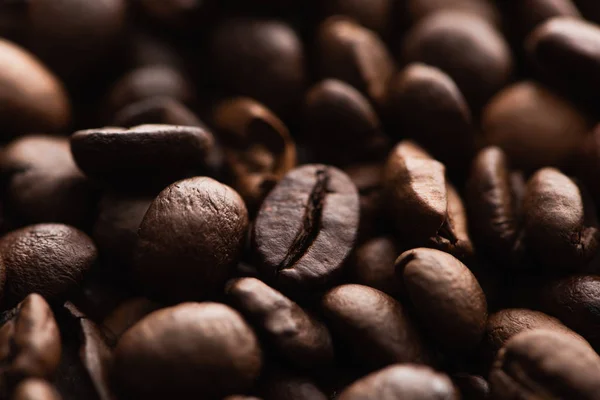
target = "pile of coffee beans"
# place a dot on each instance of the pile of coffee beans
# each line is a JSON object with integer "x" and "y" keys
{"x": 299, "y": 200}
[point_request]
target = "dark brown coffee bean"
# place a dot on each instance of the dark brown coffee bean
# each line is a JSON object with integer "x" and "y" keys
{"x": 33, "y": 99}
{"x": 258, "y": 148}
{"x": 190, "y": 239}
{"x": 425, "y": 208}
{"x": 295, "y": 335}
{"x": 150, "y": 152}
{"x": 535, "y": 127}
{"x": 428, "y": 107}
{"x": 373, "y": 265}
{"x": 126, "y": 315}
{"x": 531, "y": 13}
{"x": 467, "y": 48}
{"x": 471, "y": 387}
{"x": 29, "y": 342}
{"x": 35, "y": 389}
{"x": 356, "y": 55}
{"x": 145, "y": 49}
{"x": 341, "y": 126}
{"x": 279, "y": 384}
{"x": 372, "y": 14}
{"x": 446, "y": 297}
{"x": 156, "y": 110}
{"x": 407, "y": 382}
{"x": 273, "y": 59}
{"x": 306, "y": 228}
{"x": 419, "y": 9}
{"x": 205, "y": 349}
{"x": 49, "y": 259}
{"x": 43, "y": 183}
{"x": 177, "y": 14}
{"x": 560, "y": 228}
{"x": 373, "y": 338}
{"x": 545, "y": 364}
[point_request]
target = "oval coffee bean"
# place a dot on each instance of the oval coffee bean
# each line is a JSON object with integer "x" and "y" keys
{"x": 374, "y": 327}
{"x": 204, "y": 348}
{"x": 373, "y": 265}
{"x": 30, "y": 345}
{"x": 33, "y": 99}
{"x": 406, "y": 382}
{"x": 471, "y": 387}
{"x": 49, "y": 259}
{"x": 446, "y": 297}
{"x": 306, "y": 228}
{"x": 531, "y": 13}
{"x": 545, "y": 364}
{"x": 560, "y": 228}
{"x": 296, "y": 335}
{"x": 419, "y": 9}
{"x": 372, "y": 14}
{"x": 156, "y": 111}
{"x": 35, "y": 389}
{"x": 190, "y": 239}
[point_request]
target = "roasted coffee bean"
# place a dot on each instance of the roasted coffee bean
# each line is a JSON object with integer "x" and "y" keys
{"x": 356, "y": 55}
{"x": 425, "y": 208}
{"x": 49, "y": 259}
{"x": 272, "y": 54}
{"x": 374, "y": 339}
{"x": 258, "y": 148}
{"x": 410, "y": 382}
{"x": 178, "y": 14}
{"x": 467, "y": 48}
{"x": 192, "y": 234}
{"x": 33, "y": 99}
{"x": 428, "y": 107}
{"x": 35, "y": 389}
{"x": 295, "y": 335}
{"x": 471, "y": 387}
{"x": 535, "y": 127}
{"x": 126, "y": 315}
{"x": 373, "y": 265}
{"x": 279, "y": 384}
{"x": 418, "y": 9}
{"x": 372, "y": 14}
{"x": 446, "y": 297}
{"x": 306, "y": 228}
{"x": 156, "y": 110}
{"x": 531, "y": 13}
{"x": 545, "y": 364}
{"x": 560, "y": 226}
{"x": 202, "y": 348}
{"x": 29, "y": 342}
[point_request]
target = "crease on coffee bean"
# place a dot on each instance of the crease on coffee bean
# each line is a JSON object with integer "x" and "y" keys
{"x": 312, "y": 220}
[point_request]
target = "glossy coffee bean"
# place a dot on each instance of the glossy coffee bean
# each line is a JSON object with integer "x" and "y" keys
{"x": 258, "y": 148}
{"x": 446, "y": 297}
{"x": 126, "y": 315}
{"x": 560, "y": 227}
{"x": 351, "y": 53}
{"x": 280, "y": 384}
{"x": 467, "y": 48}
{"x": 410, "y": 382}
{"x": 471, "y": 387}
{"x": 372, "y": 339}
{"x": 419, "y": 9}
{"x": 373, "y": 265}
{"x": 156, "y": 110}
{"x": 545, "y": 364}
{"x": 203, "y": 348}
{"x": 35, "y": 389}
{"x": 306, "y": 228}
{"x": 273, "y": 57}
{"x": 30, "y": 344}
{"x": 375, "y": 15}
{"x": 534, "y": 126}
{"x": 341, "y": 126}
{"x": 294, "y": 334}
{"x": 49, "y": 259}
{"x": 37, "y": 103}
{"x": 190, "y": 238}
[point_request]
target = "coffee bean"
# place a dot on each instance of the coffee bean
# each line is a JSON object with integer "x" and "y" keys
{"x": 373, "y": 339}
{"x": 410, "y": 382}
{"x": 545, "y": 364}
{"x": 294, "y": 334}
{"x": 156, "y": 110}
{"x": 258, "y": 148}
{"x": 535, "y": 127}
{"x": 356, "y": 55}
{"x": 192, "y": 234}
{"x": 126, "y": 315}
{"x": 467, "y": 48}
{"x": 375, "y": 15}
{"x": 373, "y": 265}
{"x": 531, "y": 13}
{"x": 279, "y": 384}
{"x": 49, "y": 259}
{"x": 560, "y": 227}
{"x": 177, "y": 14}
{"x": 306, "y": 228}
{"x": 35, "y": 389}
{"x": 150, "y": 152}
{"x": 446, "y": 297}
{"x": 416, "y": 10}
{"x": 37, "y": 103}
{"x": 341, "y": 126}
{"x": 192, "y": 348}
{"x": 29, "y": 342}
{"x": 471, "y": 387}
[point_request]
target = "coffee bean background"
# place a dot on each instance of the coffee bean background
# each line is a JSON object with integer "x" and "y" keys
{"x": 299, "y": 200}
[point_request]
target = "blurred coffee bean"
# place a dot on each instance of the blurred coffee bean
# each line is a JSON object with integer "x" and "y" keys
{"x": 372, "y": 14}
{"x": 35, "y": 389}
{"x": 418, "y": 9}
{"x": 126, "y": 315}
{"x": 535, "y": 127}
{"x": 156, "y": 110}
{"x": 143, "y": 49}
{"x": 178, "y": 14}
{"x": 279, "y": 384}
{"x": 306, "y": 228}
{"x": 471, "y": 387}
{"x": 193, "y": 234}
{"x": 372, "y": 339}
{"x": 531, "y": 13}
{"x": 202, "y": 348}
{"x": 356, "y": 55}
{"x": 470, "y": 50}
{"x": 373, "y": 265}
